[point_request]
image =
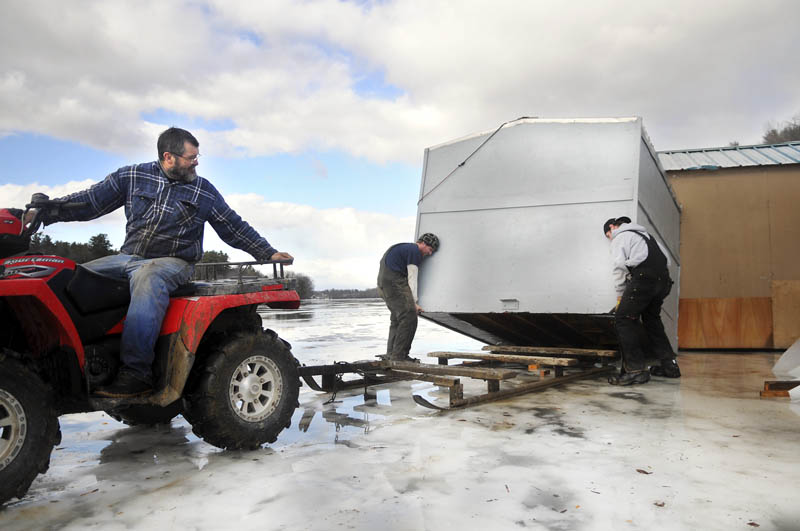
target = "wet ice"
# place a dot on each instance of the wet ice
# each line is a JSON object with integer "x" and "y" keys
{"x": 563, "y": 458}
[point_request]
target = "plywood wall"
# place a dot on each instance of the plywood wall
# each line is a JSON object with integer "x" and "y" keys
{"x": 740, "y": 230}
{"x": 729, "y": 323}
{"x": 786, "y": 312}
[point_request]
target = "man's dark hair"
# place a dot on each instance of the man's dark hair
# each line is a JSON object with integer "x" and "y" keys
{"x": 172, "y": 140}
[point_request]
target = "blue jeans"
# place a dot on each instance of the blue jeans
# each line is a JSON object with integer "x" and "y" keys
{"x": 151, "y": 280}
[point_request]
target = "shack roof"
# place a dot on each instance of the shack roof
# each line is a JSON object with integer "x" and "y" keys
{"x": 731, "y": 157}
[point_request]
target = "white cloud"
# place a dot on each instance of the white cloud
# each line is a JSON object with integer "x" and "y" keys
{"x": 284, "y": 72}
{"x": 337, "y": 248}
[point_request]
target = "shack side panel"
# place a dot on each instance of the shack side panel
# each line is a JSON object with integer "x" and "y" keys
{"x": 520, "y": 223}
{"x": 659, "y": 213}
{"x": 545, "y": 259}
{"x": 533, "y": 163}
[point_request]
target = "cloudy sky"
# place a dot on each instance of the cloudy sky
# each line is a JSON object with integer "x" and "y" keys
{"x": 312, "y": 116}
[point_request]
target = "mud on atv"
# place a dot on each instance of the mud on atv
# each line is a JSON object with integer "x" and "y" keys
{"x": 234, "y": 382}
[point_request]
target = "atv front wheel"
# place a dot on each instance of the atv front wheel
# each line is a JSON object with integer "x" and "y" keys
{"x": 28, "y": 428}
{"x": 247, "y": 393}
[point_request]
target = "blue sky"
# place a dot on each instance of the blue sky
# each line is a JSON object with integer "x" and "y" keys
{"x": 313, "y": 116}
{"x": 322, "y": 179}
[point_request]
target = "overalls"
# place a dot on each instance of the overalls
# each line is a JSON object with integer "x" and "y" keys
{"x": 647, "y": 287}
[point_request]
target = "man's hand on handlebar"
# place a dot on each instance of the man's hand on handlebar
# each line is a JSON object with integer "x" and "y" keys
{"x": 28, "y": 218}
{"x": 281, "y": 256}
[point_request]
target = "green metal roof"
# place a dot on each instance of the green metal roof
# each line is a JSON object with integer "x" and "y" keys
{"x": 731, "y": 157}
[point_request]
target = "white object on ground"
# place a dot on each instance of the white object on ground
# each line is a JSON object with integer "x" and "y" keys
{"x": 794, "y": 394}
{"x": 788, "y": 365}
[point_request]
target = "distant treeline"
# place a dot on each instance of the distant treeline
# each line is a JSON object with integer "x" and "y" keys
{"x": 371, "y": 293}
{"x": 97, "y": 247}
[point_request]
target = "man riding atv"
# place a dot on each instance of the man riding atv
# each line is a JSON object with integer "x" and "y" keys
{"x": 186, "y": 347}
{"x": 166, "y": 205}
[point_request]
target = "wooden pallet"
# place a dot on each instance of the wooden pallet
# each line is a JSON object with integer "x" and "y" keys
{"x": 778, "y": 388}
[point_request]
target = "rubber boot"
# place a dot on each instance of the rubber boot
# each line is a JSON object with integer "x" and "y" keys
{"x": 668, "y": 368}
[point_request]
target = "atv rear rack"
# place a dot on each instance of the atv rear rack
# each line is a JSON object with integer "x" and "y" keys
{"x": 494, "y": 365}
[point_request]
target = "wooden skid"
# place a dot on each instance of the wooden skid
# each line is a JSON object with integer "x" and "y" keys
{"x": 507, "y": 358}
{"x": 551, "y": 351}
{"x": 332, "y": 383}
{"x": 377, "y": 372}
{"x": 778, "y": 388}
{"x": 338, "y": 368}
{"x": 522, "y": 389}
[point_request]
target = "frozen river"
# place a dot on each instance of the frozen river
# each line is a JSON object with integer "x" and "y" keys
{"x": 699, "y": 453}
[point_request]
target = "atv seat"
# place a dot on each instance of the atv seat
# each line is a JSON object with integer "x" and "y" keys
{"x": 92, "y": 292}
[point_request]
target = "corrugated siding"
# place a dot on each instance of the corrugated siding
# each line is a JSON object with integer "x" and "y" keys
{"x": 731, "y": 157}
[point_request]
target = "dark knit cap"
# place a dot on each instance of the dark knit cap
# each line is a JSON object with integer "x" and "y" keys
{"x": 615, "y": 221}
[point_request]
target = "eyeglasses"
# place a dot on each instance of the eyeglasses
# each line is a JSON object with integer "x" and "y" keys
{"x": 193, "y": 158}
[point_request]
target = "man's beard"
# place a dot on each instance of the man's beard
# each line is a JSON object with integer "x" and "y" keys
{"x": 186, "y": 175}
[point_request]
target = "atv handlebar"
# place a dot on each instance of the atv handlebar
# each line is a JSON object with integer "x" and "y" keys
{"x": 41, "y": 203}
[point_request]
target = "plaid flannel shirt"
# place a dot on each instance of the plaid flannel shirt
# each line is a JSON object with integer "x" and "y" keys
{"x": 165, "y": 217}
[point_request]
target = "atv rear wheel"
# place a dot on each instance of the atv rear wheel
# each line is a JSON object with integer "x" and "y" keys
{"x": 147, "y": 415}
{"x": 28, "y": 428}
{"x": 247, "y": 393}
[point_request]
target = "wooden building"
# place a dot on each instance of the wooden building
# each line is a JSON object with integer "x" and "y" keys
{"x": 739, "y": 245}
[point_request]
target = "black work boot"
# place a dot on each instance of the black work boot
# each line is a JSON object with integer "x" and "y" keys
{"x": 629, "y": 378}
{"x": 127, "y": 385}
{"x": 668, "y": 368}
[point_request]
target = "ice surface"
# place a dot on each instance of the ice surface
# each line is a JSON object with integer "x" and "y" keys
{"x": 702, "y": 452}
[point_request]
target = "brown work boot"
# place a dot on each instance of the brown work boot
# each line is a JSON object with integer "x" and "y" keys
{"x": 127, "y": 385}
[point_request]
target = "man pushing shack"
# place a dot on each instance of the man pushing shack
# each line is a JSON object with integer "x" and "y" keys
{"x": 642, "y": 282}
{"x": 397, "y": 286}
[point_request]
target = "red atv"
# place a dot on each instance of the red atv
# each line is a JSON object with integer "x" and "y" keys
{"x": 236, "y": 383}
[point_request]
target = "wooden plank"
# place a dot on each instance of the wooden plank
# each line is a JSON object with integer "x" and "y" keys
{"x": 785, "y": 312}
{"x": 553, "y": 351}
{"x": 780, "y": 385}
{"x": 773, "y": 394}
{"x": 508, "y": 358}
{"x": 725, "y": 323}
{"x": 778, "y": 388}
{"x": 470, "y": 372}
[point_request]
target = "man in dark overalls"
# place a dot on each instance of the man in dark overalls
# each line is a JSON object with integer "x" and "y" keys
{"x": 397, "y": 286}
{"x": 642, "y": 282}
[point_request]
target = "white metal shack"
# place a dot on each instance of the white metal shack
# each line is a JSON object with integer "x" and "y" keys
{"x": 519, "y": 211}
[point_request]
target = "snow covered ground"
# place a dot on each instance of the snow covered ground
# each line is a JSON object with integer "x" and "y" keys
{"x": 702, "y": 452}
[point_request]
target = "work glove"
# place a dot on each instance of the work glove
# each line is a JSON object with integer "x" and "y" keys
{"x": 616, "y": 306}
